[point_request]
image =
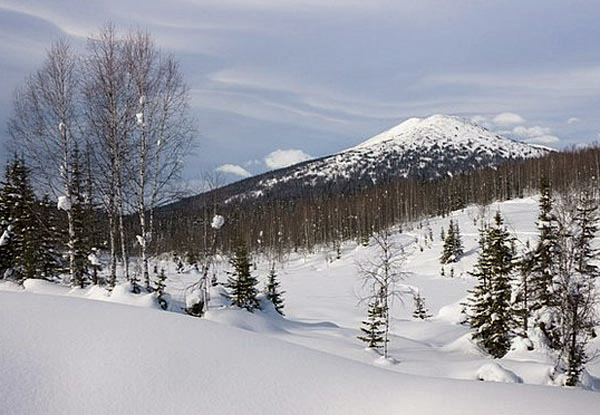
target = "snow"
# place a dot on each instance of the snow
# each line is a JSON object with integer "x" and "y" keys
{"x": 493, "y": 372}
{"x": 5, "y": 238}
{"x": 94, "y": 260}
{"x": 217, "y": 222}
{"x": 64, "y": 203}
{"x": 73, "y": 351}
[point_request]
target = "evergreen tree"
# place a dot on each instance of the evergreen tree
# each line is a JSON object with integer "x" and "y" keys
{"x": 452, "y": 249}
{"x": 544, "y": 264}
{"x": 7, "y": 203}
{"x": 535, "y": 298}
{"x": 577, "y": 296}
{"x": 421, "y": 310}
{"x": 373, "y": 328}
{"x": 274, "y": 294}
{"x": 159, "y": 289}
{"x": 19, "y": 204}
{"x": 489, "y": 302}
{"x": 49, "y": 261}
{"x": 241, "y": 283}
{"x": 79, "y": 241}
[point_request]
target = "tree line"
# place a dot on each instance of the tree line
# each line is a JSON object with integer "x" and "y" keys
{"x": 329, "y": 216}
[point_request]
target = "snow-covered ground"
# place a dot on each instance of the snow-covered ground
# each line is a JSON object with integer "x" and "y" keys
{"x": 63, "y": 353}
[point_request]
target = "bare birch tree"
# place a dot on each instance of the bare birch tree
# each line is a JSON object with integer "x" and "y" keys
{"x": 163, "y": 132}
{"x": 109, "y": 118}
{"x": 381, "y": 275}
{"x": 45, "y": 127}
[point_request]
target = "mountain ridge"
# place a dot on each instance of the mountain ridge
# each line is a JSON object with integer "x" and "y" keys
{"x": 424, "y": 149}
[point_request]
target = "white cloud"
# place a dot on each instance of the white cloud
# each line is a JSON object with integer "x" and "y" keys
{"x": 508, "y": 118}
{"x": 530, "y": 132}
{"x": 573, "y": 120}
{"x": 234, "y": 169}
{"x": 535, "y": 134}
{"x": 283, "y": 158}
{"x": 544, "y": 139}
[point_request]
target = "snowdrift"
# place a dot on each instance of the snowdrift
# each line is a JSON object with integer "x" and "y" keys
{"x": 65, "y": 355}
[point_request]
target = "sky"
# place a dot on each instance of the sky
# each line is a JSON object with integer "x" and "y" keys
{"x": 277, "y": 82}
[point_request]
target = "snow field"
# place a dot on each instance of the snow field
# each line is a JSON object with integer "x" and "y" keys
{"x": 65, "y": 354}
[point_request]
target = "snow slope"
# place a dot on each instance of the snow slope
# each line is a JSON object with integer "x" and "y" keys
{"x": 73, "y": 356}
{"x": 63, "y": 353}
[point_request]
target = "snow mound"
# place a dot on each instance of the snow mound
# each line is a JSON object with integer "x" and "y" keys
{"x": 65, "y": 355}
{"x": 493, "y": 372}
{"x": 464, "y": 345}
{"x": 452, "y": 313}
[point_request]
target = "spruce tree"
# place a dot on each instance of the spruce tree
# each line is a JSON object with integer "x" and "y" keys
{"x": 159, "y": 289}
{"x": 452, "y": 249}
{"x": 7, "y": 203}
{"x": 19, "y": 205}
{"x": 421, "y": 311}
{"x": 274, "y": 294}
{"x": 242, "y": 285}
{"x": 544, "y": 263}
{"x": 577, "y": 292}
{"x": 49, "y": 262}
{"x": 373, "y": 328}
{"x": 489, "y": 303}
{"x": 79, "y": 240}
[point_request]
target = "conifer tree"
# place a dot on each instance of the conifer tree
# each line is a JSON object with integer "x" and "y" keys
{"x": 7, "y": 203}
{"x": 49, "y": 262}
{"x": 241, "y": 283}
{"x": 19, "y": 204}
{"x": 159, "y": 288}
{"x": 489, "y": 303}
{"x": 373, "y": 328}
{"x": 544, "y": 261}
{"x": 421, "y": 310}
{"x": 79, "y": 241}
{"x": 274, "y": 294}
{"x": 577, "y": 294}
{"x": 452, "y": 249}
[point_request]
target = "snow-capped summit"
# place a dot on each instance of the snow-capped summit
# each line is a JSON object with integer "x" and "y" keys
{"x": 448, "y": 131}
{"x": 424, "y": 149}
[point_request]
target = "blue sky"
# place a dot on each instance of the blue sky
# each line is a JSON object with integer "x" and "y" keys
{"x": 278, "y": 81}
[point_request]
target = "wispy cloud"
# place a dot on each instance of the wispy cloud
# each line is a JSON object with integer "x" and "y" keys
{"x": 283, "y": 158}
{"x": 508, "y": 118}
{"x": 233, "y": 169}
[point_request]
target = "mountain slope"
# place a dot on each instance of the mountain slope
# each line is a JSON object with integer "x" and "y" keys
{"x": 424, "y": 149}
{"x": 420, "y": 148}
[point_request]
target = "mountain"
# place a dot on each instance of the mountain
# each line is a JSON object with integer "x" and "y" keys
{"x": 424, "y": 149}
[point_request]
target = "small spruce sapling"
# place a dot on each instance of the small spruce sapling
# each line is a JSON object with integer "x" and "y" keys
{"x": 274, "y": 294}
{"x": 159, "y": 288}
{"x": 241, "y": 282}
{"x": 421, "y": 310}
{"x": 373, "y": 328}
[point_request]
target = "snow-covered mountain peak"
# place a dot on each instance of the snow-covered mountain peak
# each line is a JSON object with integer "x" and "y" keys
{"x": 437, "y": 129}
{"x": 419, "y": 148}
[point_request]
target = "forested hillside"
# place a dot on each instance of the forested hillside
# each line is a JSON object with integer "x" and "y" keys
{"x": 329, "y": 215}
